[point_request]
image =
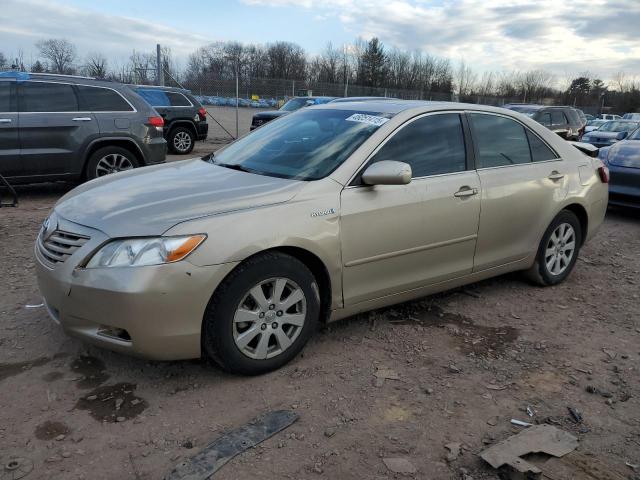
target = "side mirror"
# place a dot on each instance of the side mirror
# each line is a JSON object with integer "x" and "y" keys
{"x": 621, "y": 135}
{"x": 387, "y": 172}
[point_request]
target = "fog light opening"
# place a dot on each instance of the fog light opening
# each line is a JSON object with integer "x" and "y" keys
{"x": 115, "y": 333}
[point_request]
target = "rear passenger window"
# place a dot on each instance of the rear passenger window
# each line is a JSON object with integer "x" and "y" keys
{"x": 558, "y": 117}
{"x": 178, "y": 100}
{"x": 539, "y": 150}
{"x": 500, "y": 141}
{"x": 432, "y": 145}
{"x": 97, "y": 99}
{"x": 5, "y": 97}
{"x": 48, "y": 97}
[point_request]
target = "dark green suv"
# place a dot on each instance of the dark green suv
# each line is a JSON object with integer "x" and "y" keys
{"x": 185, "y": 119}
{"x": 60, "y": 127}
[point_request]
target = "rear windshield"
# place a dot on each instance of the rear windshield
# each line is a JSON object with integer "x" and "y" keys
{"x": 305, "y": 145}
{"x": 161, "y": 98}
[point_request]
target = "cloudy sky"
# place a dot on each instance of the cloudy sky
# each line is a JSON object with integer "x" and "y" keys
{"x": 566, "y": 37}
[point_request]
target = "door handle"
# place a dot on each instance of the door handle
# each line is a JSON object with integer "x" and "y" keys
{"x": 82, "y": 119}
{"x": 555, "y": 175}
{"x": 466, "y": 192}
{"x": 5, "y": 120}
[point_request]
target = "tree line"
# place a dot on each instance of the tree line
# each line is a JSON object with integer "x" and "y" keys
{"x": 364, "y": 63}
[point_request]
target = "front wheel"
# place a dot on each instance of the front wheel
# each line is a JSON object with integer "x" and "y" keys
{"x": 262, "y": 315}
{"x": 558, "y": 250}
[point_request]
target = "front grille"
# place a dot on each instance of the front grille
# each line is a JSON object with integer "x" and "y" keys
{"x": 60, "y": 246}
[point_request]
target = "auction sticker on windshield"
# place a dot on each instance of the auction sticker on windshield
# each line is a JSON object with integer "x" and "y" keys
{"x": 370, "y": 119}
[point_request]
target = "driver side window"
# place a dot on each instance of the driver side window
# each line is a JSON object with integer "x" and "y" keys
{"x": 432, "y": 145}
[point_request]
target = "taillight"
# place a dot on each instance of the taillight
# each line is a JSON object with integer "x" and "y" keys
{"x": 157, "y": 122}
{"x": 202, "y": 112}
{"x": 603, "y": 173}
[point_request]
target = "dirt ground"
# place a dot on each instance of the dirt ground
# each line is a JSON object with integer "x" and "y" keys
{"x": 459, "y": 367}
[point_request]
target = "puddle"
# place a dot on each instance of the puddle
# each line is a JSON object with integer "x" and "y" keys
{"x": 50, "y": 430}
{"x": 472, "y": 338}
{"x": 92, "y": 370}
{"x": 11, "y": 369}
{"x": 112, "y": 403}
{"x": 52, "y": 376}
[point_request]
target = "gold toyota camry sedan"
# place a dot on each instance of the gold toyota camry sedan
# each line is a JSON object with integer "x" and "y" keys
{"x": 316, "y": 216}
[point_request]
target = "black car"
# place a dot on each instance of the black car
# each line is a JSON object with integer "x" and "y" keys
{"x": 296, "y": 103}
{"x": 61, "y": 127}
{"x": 563, "y": 120}
{"x": 185, "y": 119}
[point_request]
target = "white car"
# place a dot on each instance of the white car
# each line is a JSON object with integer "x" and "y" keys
{"x": 609, "y": 116}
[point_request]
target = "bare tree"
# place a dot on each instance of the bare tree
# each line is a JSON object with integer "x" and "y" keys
{"x": 3, "y": 60}
{"x": 59, "y": 52}
{"x": 96, "y": 65}
{"x": 465, "y": 79}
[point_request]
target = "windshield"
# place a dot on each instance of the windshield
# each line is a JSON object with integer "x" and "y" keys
{"x": 295, "y": 104}
{"x": 615, "y": 126}
{"x": 526, "y": 110}
{"x": 306, "y": 145}
{"x": 635, "y": 135}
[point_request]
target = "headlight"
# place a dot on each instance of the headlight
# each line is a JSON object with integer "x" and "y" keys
{"x": 135, "y": 252}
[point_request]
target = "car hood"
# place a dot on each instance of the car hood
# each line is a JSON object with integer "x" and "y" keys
{"x": 270, "y": 114}
{"x": 625, "y": 154}
{"x": 150, "y": 200}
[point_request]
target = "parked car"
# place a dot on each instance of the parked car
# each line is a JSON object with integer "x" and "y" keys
{"x": 594, "y": 125}
{"x": 360, "y": 99}
{"x": 59, "y": 127}
{"x": 610, "y": 133}
{"x": 565, "y": 121}
{"x": 623, "y": 161}
{"x": 632, "y": 116}
{"x": 589, "y": 117}
{"x": 327, "y": 212}
{"x": 292, "y": 105}
{"x": 609, "y": 116}
{"x": 185, "y": 119}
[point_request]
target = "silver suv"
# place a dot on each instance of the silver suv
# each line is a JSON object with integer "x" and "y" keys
{"x": 59, "y": 127}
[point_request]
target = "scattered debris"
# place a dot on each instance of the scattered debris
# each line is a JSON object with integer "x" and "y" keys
{"x": 16, "y": 467}
{"x": 576, "y": 416}
{"x": 493, "y": 421}
{"x": 491, "y": 386}
{"x": 382, "y": 374}
{"x": 610, "y": 353}
{"x": 530, "y": 411}
{"x": 35, "y": 305}
{"x": 548, "y": 439}
{"x": 220, "y": 451}
{"x": 520, "y": 423}
{"x": 454, "y": 451}
{"x": 400, "y": 465}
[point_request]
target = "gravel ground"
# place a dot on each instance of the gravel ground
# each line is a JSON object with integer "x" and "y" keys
{"x": 459, "y": 366}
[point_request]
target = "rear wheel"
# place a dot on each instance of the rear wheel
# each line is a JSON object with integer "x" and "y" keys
{"x": 262, "y": 315}
{"x": 108, "y": 160}
{"x": 181, "y": 140}
{"x": 558, "y": 250}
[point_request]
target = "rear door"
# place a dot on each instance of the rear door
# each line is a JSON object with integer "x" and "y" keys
{"x": 53, "y": 129}
{"x": 9, "y": 140}
{"x": 522, "y": 179}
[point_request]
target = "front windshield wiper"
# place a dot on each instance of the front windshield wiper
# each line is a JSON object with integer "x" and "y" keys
{"x": 235, "y": 166}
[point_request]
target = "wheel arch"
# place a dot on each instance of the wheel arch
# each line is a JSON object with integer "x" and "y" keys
{"x": 182, "y": 123}
{"x": 583, "y": 217}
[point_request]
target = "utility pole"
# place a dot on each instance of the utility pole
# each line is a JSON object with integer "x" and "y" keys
{"x": 159, "y": 67}
{"x": 237, "y": 99}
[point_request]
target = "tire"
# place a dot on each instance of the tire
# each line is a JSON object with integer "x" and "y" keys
{"x": 241, "y": 347}
{"x": 108, "y": 160}
{"x": 181, "y": 140}
{"x": 551, "y": 266}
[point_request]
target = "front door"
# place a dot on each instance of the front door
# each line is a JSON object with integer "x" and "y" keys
{"x": 400, "y": 237}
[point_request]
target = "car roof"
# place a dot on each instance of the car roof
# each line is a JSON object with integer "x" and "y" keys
{"x": 75, "y": 79}
{"x": 394, "y": 106}
{"x": 360, "y": 99}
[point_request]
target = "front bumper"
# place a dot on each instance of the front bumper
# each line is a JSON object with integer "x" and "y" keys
{"x": 160, "y": 308}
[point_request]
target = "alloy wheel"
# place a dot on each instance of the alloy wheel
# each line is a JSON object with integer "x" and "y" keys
{"x": 560, "y": 249}
{"x": 269, "y": 318}
{"x": 112, "y": 163}
{"x": 182, "y": 141}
